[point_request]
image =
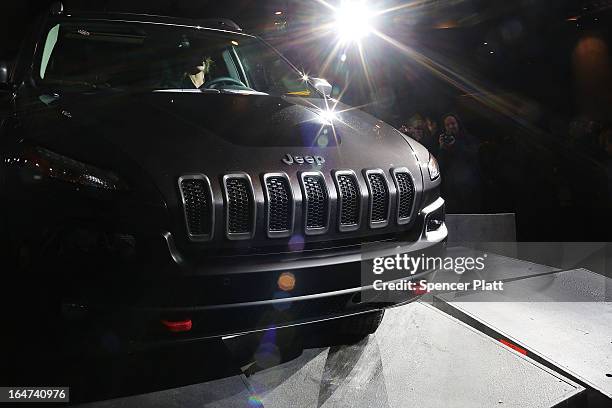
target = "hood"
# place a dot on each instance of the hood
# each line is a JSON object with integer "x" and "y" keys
{"x": 165, "y": 135}
{"x": 173, "y": 133}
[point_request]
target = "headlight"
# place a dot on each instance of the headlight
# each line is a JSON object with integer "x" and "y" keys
{"x": 433, "y": 167}
{"x": 63, "y": 168}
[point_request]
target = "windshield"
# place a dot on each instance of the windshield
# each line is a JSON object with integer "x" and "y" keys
{"x": 136, "y": 55}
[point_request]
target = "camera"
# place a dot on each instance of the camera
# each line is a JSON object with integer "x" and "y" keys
{"x": 448, "y": 139}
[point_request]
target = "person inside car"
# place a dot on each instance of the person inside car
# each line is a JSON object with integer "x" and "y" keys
{"x": 196, "y": 72}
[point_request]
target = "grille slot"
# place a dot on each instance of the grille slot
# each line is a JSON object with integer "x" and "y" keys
{"x": 405, "y": 194}
{"x": 280, "y": 204}
{"x": 196, "y": 195}
{"x": 379, "y": 198}
{"x": 316, "y": 203}
{"x": 349, "y": 201}
{"x": 240, "y": 206}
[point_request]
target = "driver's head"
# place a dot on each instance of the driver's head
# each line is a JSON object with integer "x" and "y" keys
{"x": 197, "y": 64}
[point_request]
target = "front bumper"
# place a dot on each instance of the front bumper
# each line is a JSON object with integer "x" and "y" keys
{"x": 228, "y": 296}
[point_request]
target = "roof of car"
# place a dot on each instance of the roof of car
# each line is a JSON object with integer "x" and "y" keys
{"x": 222, "y": 24}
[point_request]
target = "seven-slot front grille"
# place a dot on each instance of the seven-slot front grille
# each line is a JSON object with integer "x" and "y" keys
{"x": 279, "y": 205}
{"x": 405, "y": 194}
{"x": 316, "y": 203}
{"x": 379, "y": 198}
{"x": 349, "y": 201}
{"x": 197, "y": 206}
{"x": 240, "y": 206}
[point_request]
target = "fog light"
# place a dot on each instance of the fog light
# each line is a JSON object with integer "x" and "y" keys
{"x": 434, "y": 215}
{"x": 435, "y": 220}
{"x": 434, "y": 224}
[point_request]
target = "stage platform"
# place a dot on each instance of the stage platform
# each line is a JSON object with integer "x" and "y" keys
{"x": 420, "y": 356}
{"x": 545, "y": 341}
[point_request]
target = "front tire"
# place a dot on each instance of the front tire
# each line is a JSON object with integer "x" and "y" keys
{"x": 360, "y": 326}
{"x": 345, "y": 330}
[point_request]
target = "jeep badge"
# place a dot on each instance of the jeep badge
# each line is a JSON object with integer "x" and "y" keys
{"x": 299, "y": 160}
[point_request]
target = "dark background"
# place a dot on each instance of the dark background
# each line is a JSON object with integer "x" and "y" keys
{"x": 531, "y": 81}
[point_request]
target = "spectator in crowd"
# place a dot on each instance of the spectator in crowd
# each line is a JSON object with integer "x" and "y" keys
{"x": 418, "y": 130}
{"x": 432, "y": 126}
{"x": 458, "y": 157}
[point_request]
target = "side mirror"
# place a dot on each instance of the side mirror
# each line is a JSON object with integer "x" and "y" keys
{"x": 5, "y": 85}
{"x": 4, "y": 73}
{"x": 323, "y": 86}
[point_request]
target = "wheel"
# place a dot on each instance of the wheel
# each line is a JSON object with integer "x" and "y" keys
{"x": 346, "y": 330}
{"x": 360, "y": 326}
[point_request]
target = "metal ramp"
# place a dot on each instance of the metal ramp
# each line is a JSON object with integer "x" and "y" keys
{"x": 562, "y": 319}
{"x": 419, "y": 357}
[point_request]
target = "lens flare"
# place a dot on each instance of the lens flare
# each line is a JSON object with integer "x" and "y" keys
{"x": 328, "y": 116}
{"x": 286, "y": 281}
{"x": 254, "y": 401}
{"x": 353, "y": 20}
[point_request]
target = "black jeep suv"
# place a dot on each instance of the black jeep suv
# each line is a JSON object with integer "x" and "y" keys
{"x": 180, "y": 179}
